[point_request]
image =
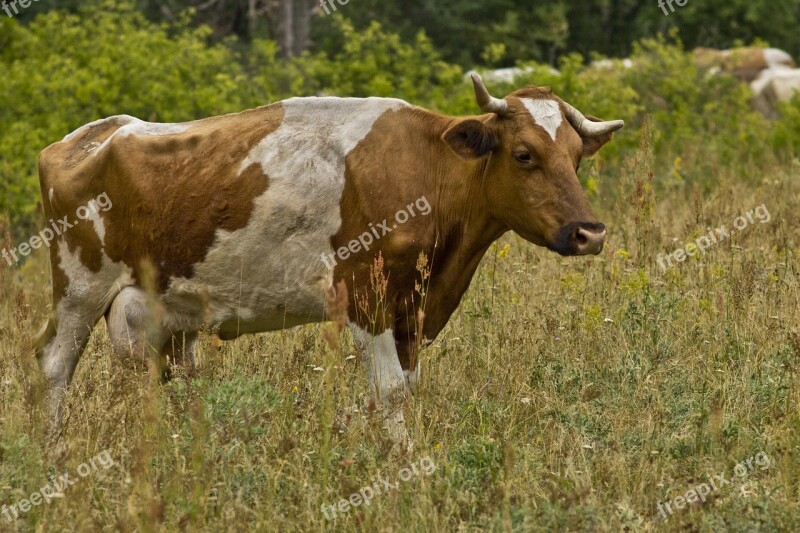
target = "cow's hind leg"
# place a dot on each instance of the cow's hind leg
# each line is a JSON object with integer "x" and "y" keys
{"x": 59, "y": 347}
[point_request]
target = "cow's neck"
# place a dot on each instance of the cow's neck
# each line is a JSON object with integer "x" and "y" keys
{"x": 416, "y": 162}
{"x": 462, "y": 228}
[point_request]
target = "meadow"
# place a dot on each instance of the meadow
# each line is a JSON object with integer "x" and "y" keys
{"x": 565, "y": 394}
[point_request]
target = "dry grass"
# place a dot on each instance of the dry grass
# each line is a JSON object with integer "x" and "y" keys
{"x": 565, "y": 394}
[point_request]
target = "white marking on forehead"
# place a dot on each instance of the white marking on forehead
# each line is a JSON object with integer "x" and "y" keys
{"x": 545, "y": 113}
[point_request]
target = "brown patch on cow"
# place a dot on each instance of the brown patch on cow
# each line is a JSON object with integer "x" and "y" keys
{"x": 454, "y": 236}
{"x": 170, "y": 193}
{"x": 174, "y": 224}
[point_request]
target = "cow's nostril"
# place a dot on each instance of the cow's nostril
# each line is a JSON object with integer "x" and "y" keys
{"x": 579, "y": 238}
{"x": 590, "y": 239}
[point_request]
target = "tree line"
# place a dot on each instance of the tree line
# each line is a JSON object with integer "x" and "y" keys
{"x": 484, "y": 32}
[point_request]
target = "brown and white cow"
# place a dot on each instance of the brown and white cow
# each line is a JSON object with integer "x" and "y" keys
{"x": 745, "y": 63}
{"x": 231, "y": 216}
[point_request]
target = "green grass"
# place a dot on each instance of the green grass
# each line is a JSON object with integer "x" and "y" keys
{"x": 564, "y": 395}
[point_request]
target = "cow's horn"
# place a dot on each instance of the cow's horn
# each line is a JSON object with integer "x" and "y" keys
{"x": 487, "y": 102}
{"x": 586, "y": 127}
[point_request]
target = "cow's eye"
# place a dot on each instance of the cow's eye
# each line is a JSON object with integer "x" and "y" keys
{"x": 523, "y": 157}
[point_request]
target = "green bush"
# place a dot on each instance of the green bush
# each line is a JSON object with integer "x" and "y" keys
{"x": 103, "y": 63}
{"x": 786, "y": 134}
{"x": 704, "y": 118}
{"x": 111, "y": 60}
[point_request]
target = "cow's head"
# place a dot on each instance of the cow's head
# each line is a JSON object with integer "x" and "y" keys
{"x": 532, "y": 145}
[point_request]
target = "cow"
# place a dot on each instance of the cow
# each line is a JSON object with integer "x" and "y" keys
{"x": 510, "y": 74}
{"x": 247, "y": 223}
{"x": 744, "y": 63}
{"x": 612, "y": 64}
{"x": 774, "y": 86}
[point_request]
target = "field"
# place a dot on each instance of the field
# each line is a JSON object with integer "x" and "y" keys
{"x": 654, "y": 387}
{"x": 564, "y": 395}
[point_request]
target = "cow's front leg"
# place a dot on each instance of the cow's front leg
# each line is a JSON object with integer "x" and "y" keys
{"x": 408, "y": 353}
{"x": 386, "y": 377}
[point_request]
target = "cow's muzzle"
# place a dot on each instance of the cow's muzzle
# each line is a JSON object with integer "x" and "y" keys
{"x": 579, "y": 238}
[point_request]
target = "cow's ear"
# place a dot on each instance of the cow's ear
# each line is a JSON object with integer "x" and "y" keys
{"x": 471, "y": 139}
{"x": 592, "y": 144}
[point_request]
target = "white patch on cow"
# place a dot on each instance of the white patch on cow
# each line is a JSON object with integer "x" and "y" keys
{"x": 82, "y": 282}
{"x": 758, "y": 84}
{"x": 545, "y": 113}
{"x": 776, "y": 58}
{"x": 339, "y": 133}
{"x": 140, "y": 127}
{"x": 270, "y": 275}
{"x": 50, "y": 195}
{"x": 99, "y": 225}
{"x": 79, "y": 277}
{"x": 119, "y": 119}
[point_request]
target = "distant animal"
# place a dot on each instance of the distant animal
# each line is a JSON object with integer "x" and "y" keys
{"x": 503, "y": 75}
{"x": 507, "y": 75}
{"x": 610, "y": 64}
{"x": 227, "y": 222}
{"x": 772, "y": 87}
{"x": 745, "y": 63}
